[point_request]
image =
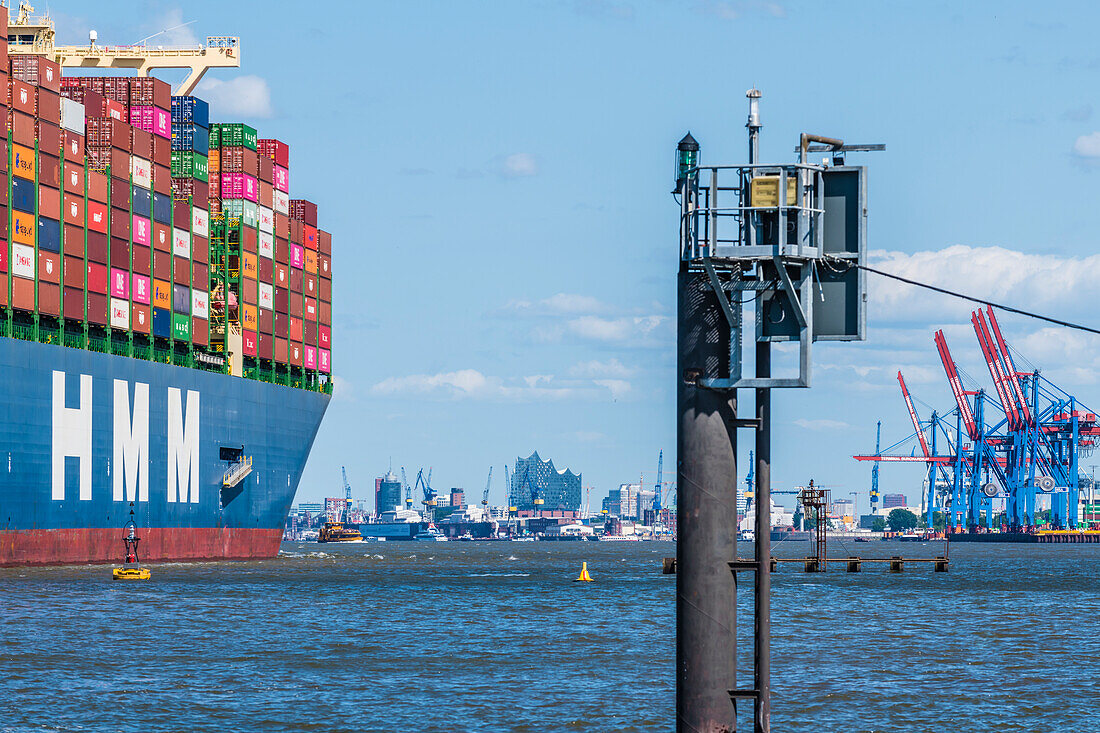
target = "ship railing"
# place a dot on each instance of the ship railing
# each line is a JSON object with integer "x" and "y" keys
{"x": 237, "y": 472}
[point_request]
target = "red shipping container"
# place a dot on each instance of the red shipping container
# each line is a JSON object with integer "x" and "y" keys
{"x": 311, "y": 333}
{"x": 73, "y": 145}
{"x": 21, "y": 97}
{"x": 120, "y": 193}
{"x": 200, "y": 249}
{"x": 249, "y": 292}
{"x": 74, "y": 179}
{"x": 49, "y": 299}
{"x": 200, "y": 276}
{"x": 248, "y": 343}
{"x": 141, "y": 319}
{"x": 296, "y": 306}
{"x": 74, "y": 211}
{"x": 115, "y": 110}
{"x": 120, "y": 223}
{"x": 49, "y": 170}
{"x": 295, "y": 355}
{"x": 324, "y": 339}
{"x": 37, "y": 70}
{"x": 98, "y": 248}
{"x": 162, "y": 265}
{"x": 143, "y": 260}
{"x": 266, "y": 175}
{"x": 162, "y": 151}
{"x": 49, "y": 268}
{"x": 181, "y": 215}
{"x": 141, "y": 143}
{"x": 326, "y": 313}
{"x": 23, "y": 129}
{"x": 303, "y": 211}
{"x": 162, "y": 180}
{"x": 280, "y": 350}
{"x": 296, "y": 231}
{"x": 120, "y": 253}
{"x": 264, "y": 346}
{"x": 98, "y": 217}
{"x": 73, "y": 241}
{"x": 324, "y": 265}
{"x": 282, "y": 277}
{"x": 267, "y": 320}
{"x": 74, "y": 303}
{"x": 181, "y": 272}
{"x": 117, "y": 88}
{"x": 97, "y": 309}
{"x": 274, "y": 150}
{"x": 282, "y": 250}
{"x": 99, "y": 187}
{"x": 162, "y": 237}
{"x": 282, "y": 325}
{"x": 49, "y": 137}
{"x": 22, "y": 294}
{"x": 295, "y": 329}
{"x": 326, "y": 290}
{"x": 49, "y": 106}
{"x": 75, "y": 272}
{"x": 200, "y": 328}
{"x": 49, "y": 202}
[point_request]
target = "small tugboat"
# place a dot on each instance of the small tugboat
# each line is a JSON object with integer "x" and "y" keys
{"x": 337, "y": 532}
{"x": 131, "y": 571}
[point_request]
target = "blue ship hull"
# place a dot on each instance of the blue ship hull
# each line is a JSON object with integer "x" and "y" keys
{"x": 83, "y": 435}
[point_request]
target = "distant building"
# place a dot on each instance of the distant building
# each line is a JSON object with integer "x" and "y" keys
{"x": 336, "y": 509}
{"x": 311, "y": 507}
{"x": 844, "y": 510}
{"x": 387, "y": 493}
{"x": 458, "y": 498}
{"x": 893, "y": 501}
{"x": 559, "y": 490}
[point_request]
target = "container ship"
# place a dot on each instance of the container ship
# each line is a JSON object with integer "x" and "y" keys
{"x": 165, "y": 311}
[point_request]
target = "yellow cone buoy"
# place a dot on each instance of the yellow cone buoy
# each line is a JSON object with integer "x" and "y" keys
{"x": 584, "y": 576}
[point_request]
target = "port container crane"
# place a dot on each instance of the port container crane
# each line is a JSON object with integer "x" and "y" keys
{"x": 347, "y": 495}
{"x": 488, "y": 482}
{"x": 657, "y": 487}
{"x": 408, "y": 489}
{"x": 35, "y": 36}
{"x": 874, "y": 469}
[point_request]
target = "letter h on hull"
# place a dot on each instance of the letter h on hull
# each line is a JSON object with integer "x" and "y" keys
{"x": 72, "y": 436}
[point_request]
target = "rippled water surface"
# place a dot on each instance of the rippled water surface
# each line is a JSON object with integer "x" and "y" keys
{"x": 496, "y": 637}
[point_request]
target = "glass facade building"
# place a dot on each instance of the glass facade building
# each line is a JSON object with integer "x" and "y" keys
{"x": 558, "y": 489}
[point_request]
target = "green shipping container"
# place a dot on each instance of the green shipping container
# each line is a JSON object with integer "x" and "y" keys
{"x": 247, "y": 211}
{"x": 215, "y": 135}
{"x": 181, "y": 327}
{"x": 189, "y": 164}
{"x": 235, "y": 133}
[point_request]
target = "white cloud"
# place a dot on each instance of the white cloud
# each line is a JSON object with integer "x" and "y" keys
{"x": 611, "y": 369}
{"x": 614, "y": 329}
{"x": 617, "y": 387}
{"x": 473, "y": 384}
{"x": 821, "y": 424}
{"x": 519, "y": 165}
{"x": 242, "y": 96}
{"x": 573, "y": 303}
{"x": 172, "y": 30}
{"x": 1088, "y": 146}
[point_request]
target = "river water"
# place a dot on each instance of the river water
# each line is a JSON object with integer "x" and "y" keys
{"x": 495, "y": 637}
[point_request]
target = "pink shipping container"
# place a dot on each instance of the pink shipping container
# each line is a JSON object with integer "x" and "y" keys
{"x": 311, "y": 357}
{"x": 323, "y": 360}
{"x": 297, "y": 256}
{"x": 142, "y": 289}
{"x": 141, "y": 230}
{"x": 120, "y": 283}
{"x": 282, "y": 179}
{"x": 152, "y": 119}
{"x": 240, "y": 186}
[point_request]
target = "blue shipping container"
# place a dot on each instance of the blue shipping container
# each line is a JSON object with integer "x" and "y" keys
{"x": 49, "y": 234}
{"x": 162, "y": 322}
{"x": 22, "y": 194}
{"x": 190, "y": 137}
{"x": 141, "y": 201}
{"x": 191, "y": 110}
{"x": 162, "y": 208}
{"x": 181, "y": 299}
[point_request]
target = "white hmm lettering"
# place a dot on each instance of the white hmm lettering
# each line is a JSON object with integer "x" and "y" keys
{"x": 72, "y": 435}
{"x": 183, "y": 447}
{"x": 131, "y": 443}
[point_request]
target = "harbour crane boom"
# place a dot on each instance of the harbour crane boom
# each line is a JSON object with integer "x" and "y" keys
{"x": 993, "y": 362}
{"x": 485, "y": 494}
{"x": 956, "y": 386}
{"x": 913, "y": 417}
{"x": 1010, "y": 368}
{"x": 657, "y": 486}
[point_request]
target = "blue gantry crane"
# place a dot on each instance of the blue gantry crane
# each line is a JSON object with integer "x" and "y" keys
{"x": 1023, "y": 440}
{"x": 657, "y": 487}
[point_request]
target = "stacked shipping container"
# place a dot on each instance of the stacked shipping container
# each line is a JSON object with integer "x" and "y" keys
{"x": 106, "y": 233}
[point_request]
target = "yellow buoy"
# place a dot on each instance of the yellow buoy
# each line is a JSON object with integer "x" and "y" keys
{"x": 584, "y": 576}
{"x": 131, "y": 574}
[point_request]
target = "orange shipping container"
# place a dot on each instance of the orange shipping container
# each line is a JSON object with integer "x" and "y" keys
{"x": 248, "y": 313}
{"x": 311, "y": 261}
{"x": 250, "y": 266}
{"x": 22, "y": 159}
{"x": 23, "y": 228}
{"x": 162, "y": 294}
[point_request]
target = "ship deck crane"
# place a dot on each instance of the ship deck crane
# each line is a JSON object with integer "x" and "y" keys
{"x": 34, "y": 36}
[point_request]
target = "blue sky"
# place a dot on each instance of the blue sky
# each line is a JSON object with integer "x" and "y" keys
{"x": 496, "y": 178}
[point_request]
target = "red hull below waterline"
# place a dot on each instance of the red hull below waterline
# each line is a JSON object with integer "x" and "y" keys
{"x": 158, "y": 544}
